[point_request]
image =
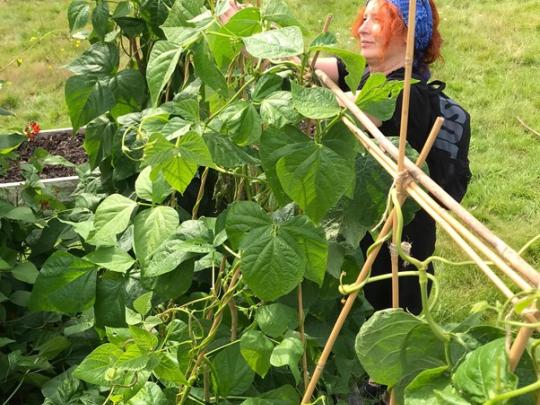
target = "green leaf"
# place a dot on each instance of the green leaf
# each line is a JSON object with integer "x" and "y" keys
{"x": 129, "y": 90}
{"x": 288, "y": 353}
{"x": 87, "y": 97}
{"x": 274, "y": 145}
{"x": 109, "y": 308}
{"x": 112, "y": 217}
{"x": 100, "y": 18}
{"x": 24, "y": 214}
{"x": 143, "y": 304}
{"x": 277, "y": 110}
{"x": 151, "y": 228}
{"x": 53, "y": 347}
{"x": 485, "y": 373}
{"x": 178, "y": 163}
{"x": 131, "y": 27}
{"x": 170, "y": 255}
{"x": 8, "y": 142}
{"x": 146, "y": 341}
{"x": 98, "y": 140}
{"x": 354, "y": 62}
{"x": 232, "y": 375}
{"x": 256, "y": 350}
{"x": 163, "y": 61}
{"x": 421, "y": 391}
{"x": 314, "y": 102}
{"x": 225, "y": 153}
{"x": 378, "y": 96}
{"x": 168, "y": 369}
{"x": 270, "y": 262}
{"x": 275, "y": 44}
{"x": 152, "y": 190}
{"x": 149, "y": 394}
{"x": 173, "y": 284}
{"x": 78, "y": 12}
{"x": 100, "y": 58}
{"x": 266, "y": 85}
{"x": 379, "y": 344}
{"x": 94, "y": 368}
{"x": 242, "y": 217}
{"x": 111, "y": 258}
{"x": 25, "y": 272}
{"x": 65, "y": 284}
{"x": 279, "y": 12}
{"x": 275, "y": 319}
{"x": 313, "y": 245}
{"x": 5, "y": 341}
{"x": 315, "y": 177}
{"x": 206, "y": 68}
{"x": 244, "y": 23}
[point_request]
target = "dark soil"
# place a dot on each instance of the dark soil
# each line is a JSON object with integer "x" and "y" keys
{"x": 59, "y": 143}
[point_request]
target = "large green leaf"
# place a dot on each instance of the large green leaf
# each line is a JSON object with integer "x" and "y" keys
{"x": 485, "y": 373}
{"x": 315, "y": 177}
{"x": 170, "y": 255}
{"x": 225, "y": 153}
{"x": 111, "y": 258}
{"x": 378, "y": 96}
{"x": 100, "y": 58}
{"x": 129, "y": 89}
{"x": 149, "y": 394}
{"x": 100, "y": 19}
{"x": 274, "y": 145}
{"x": 110, "y": 305}
{"x": 313, "y": 245}
{"x": 178, "y": 163}
{"x": 163, "y": 61}
{"x": 232, "y": 375}
{"x": 270, "y": 262}
{"x": 421, "y": 391}
{"x": 168, "y": 369}
{"x": 275, "y": 44}
{"x": 172, "y": 284}
{"x": 152, "y": 190}
{"x": 112, "y": 217}
{"x": 288, "y": 353}
{"x": 87, "y": 97}
{"x": 78, "y": 13}
{"x": 354, "y": 62}
{"x": 242, "y": 217}
{"x": 66, "y": 284}
{"x": 256, "y": 350}
{"x": 206, "y": 68}
{"x": 151, "y": 228}
{"x": 95, "y": 368}
{"x": 284, "y": 395}
{"x": 275, "y": 319}
{"x": 314, "y": 102}
{"x": 277, "y": 110}
{"x": 379, "y": 344}
{"x": 279, "y": 12}
{"x": 245, "y": 22}
{"x": 8, "y": 142}
{"x": 98, "y": 140}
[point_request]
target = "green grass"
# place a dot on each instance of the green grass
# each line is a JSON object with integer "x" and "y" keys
{"x": 492, "y": 55}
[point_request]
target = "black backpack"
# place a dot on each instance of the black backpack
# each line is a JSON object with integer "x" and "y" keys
{"x": 451, "y": 148}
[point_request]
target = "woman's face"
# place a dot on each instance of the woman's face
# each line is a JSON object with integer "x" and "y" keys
{"x": 372, "y": 41}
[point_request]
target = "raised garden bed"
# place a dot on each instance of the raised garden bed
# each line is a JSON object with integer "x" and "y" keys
{"x": 62, "y": 179}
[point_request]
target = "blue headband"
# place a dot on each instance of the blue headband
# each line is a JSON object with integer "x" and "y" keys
{"x": 424, "y": 20}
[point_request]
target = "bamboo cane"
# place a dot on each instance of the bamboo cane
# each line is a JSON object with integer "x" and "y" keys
{"x": 507, "y": 253}
{"x": 324, "y": 30}
{"x": 362, "y": 276}
{"x": 519, "y": 346}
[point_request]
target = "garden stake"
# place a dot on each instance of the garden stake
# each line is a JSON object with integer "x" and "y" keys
{"x": 519, "y": 347}
{"x": 506, "y": 252}
{"x": 366, "y": 268}
{"x": 324, "y": 30}
{"x": 390, "y": 166}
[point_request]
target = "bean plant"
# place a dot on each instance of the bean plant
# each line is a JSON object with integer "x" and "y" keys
{"x": 201, "y": 257}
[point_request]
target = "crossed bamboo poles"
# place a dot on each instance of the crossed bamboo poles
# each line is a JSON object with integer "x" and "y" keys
{"x": 471, "y": 235}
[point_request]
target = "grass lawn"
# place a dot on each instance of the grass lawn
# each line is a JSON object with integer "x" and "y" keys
{"x": 492, "y": 59}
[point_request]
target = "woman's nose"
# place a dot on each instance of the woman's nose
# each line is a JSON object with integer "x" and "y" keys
{"x": 364, "y": 28}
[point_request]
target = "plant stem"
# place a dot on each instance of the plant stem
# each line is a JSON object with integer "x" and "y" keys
{"x": 200, "y": 195}
{"x": 302, "y": 334}
{"x": 513, "y": 394}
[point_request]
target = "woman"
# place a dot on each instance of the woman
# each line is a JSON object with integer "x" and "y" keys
{"x": 381, "y": 29}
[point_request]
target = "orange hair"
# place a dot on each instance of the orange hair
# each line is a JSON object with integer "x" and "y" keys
{"x": 394, "y": 26}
